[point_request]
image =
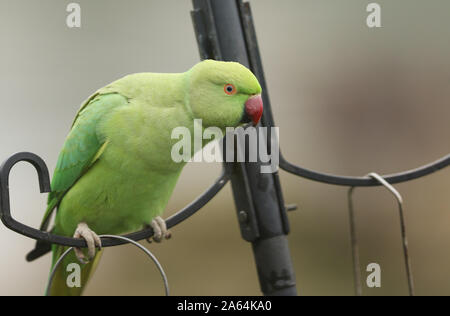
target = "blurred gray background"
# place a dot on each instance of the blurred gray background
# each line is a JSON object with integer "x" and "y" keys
{"x": 348, "y": 100}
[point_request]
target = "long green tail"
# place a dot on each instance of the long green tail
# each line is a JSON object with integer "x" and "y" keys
{"x": 59, "y": 286}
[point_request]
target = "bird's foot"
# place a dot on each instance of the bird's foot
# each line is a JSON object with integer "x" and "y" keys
{"x": 92, "y": 241}
{"x": 160, "y": 230}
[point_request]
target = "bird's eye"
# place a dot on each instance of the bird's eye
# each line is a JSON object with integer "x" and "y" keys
{"x": 230, "y": 89}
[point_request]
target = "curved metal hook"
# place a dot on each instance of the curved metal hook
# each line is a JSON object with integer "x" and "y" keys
{"x": 5, "y": 169}
{"x": 124, "y": 239}
{"x": 44, "y": 182}
{"x": 354, "y": 241}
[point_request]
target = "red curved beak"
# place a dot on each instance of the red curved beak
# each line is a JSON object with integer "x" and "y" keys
{"x": 254, "y": 108}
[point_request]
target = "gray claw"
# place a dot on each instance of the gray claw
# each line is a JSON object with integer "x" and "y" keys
{"x": 92, "y": 241}
{"x": 160, "y": 230}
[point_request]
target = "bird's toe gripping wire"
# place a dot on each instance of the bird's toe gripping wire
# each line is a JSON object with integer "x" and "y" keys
{"x": 92, "y": 240}
{"x": 160, "y": 230}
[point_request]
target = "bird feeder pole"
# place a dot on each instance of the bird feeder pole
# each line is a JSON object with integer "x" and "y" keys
{"x": 225, "y": 31}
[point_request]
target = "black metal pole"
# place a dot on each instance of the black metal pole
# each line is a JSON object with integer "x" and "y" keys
{"x": 223, "y": 33}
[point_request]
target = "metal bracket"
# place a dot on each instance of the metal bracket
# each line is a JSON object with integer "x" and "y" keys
{"x": 44, "y": 184}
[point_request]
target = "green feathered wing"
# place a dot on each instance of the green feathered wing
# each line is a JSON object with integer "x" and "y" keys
{"x": 82, "y": 148}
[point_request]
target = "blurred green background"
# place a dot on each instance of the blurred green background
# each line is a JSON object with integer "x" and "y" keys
{"x": 348, "y": 100}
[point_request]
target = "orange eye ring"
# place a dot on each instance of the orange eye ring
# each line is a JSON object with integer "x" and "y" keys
{"x": 229, "y": 89}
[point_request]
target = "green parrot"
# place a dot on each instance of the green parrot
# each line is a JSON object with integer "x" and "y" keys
{"x": 115, "y": 173}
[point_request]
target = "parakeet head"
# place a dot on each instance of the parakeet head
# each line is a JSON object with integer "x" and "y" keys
{"x": 224, "y": 94}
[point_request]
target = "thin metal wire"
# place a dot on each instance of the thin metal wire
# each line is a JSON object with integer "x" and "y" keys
{"x": 402, "y": 227}
{"x": 354, "y": 241}
{"x": 128, "y": 240}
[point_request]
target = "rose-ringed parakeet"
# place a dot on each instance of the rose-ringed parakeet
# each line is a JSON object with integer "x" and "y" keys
{"x": 115, "y": 173}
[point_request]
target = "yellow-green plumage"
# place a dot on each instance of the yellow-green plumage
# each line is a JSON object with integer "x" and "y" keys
{"x": 115, "y": 171}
